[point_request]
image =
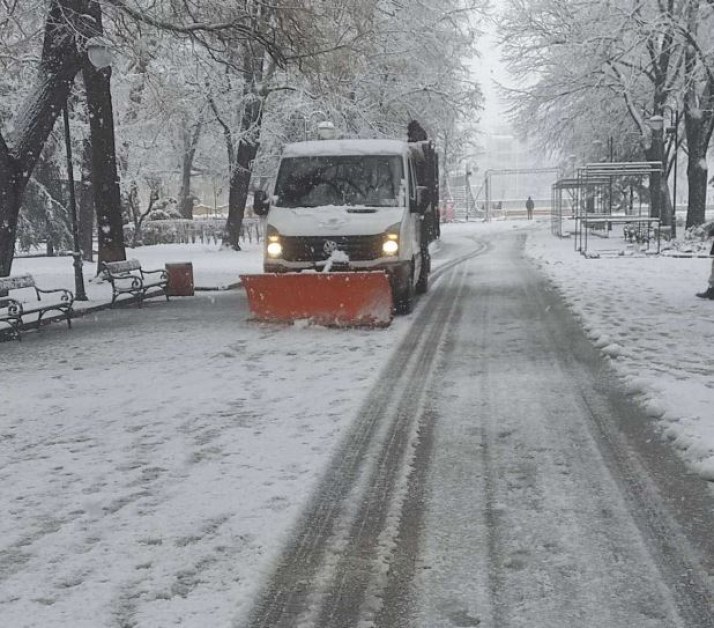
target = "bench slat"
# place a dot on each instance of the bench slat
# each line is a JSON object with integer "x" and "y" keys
{"x": 17, "y": 282}
{"x": 122, "y": 266}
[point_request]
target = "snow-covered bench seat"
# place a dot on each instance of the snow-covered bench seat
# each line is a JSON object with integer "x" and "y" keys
{"x": 18, "y": 309}
{"x": 128, "y": 277}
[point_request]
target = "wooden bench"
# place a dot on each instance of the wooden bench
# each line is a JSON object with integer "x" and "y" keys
{"x": 12, "y": 310}
{"x": 128, "y": 277}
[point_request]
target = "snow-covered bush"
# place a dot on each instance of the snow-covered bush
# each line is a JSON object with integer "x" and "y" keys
{"x": 164, "y": 209}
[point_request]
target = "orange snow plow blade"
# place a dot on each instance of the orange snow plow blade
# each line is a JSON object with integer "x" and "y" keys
{"x": 339, "y": 299}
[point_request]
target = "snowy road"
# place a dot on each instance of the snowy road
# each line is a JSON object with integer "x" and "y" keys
{"x": 540, "y": 510}
{"x": 491, "y": 480}
{"x": 473, "y": 464}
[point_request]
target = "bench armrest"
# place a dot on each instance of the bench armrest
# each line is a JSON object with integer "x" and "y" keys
{"x": 164, "y": 274}
{"x": 14, "y": 308}
{"x": 135, "y": 282}
{"x": 67, "y": 295}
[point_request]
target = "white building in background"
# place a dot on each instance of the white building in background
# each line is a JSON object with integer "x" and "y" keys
{"x": 508, "y": 160}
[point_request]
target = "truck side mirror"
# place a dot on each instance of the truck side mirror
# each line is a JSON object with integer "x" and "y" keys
{"x": 261, "y": 205}
{"x": 419, "y": 205}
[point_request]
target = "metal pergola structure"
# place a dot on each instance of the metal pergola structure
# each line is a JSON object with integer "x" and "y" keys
{"x": 565, "y": 194}
{"x": 594, "y": 212}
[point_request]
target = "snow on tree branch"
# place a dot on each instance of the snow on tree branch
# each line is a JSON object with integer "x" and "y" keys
{"x": 239, "y": 24}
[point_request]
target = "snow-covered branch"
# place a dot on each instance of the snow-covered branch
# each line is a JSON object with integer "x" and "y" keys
{"x": 194, "y": 26}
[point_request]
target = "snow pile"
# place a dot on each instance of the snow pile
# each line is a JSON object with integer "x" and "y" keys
{"x": 694, "y": 241}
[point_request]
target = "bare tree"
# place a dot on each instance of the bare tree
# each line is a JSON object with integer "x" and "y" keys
{"x": 594, "y": 70}
{"x": 105, "y": 176}
{"x": 371, "y": 65}
{"x": 37, "y": 115}
{"x": 698, "y": 102}
{"x": 242, "y": 144}
{"x": 191, "y": 134}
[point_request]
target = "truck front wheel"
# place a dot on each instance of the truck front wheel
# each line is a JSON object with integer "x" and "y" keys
{"x": 422, "y": 284}
{"x": 404, "y": 293}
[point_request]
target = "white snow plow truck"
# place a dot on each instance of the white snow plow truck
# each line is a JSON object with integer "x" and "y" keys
{"x": 347, "y": 232}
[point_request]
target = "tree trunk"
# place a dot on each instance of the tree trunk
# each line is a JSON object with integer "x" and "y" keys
{"x": 668, "y": 217}
{"x": 57, "y": 224}
{"x": 654, "y": 154}
{"x": 86, "y": 205}
{"x": 697, "y": 171}
{"x": 242, "y": 164}
{"x": 38, "y": 114}
{"x": 105, "y": 178}
{"x": 185, "y": 198}
{"x": 10, "y": 196}
{"x": 697, "y": 179}
{"x": 238, "y": 192}
{"x": 239, "y": 187}
{"x": 190, "y": 143}
{"x": 698, "y": 120}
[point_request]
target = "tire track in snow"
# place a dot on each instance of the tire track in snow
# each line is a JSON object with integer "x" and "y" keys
{"x": 362, "y": 571}
{"x": 671, "y": 509}
{"x": 333, "y": 571}
{"x": 560, "y": 523}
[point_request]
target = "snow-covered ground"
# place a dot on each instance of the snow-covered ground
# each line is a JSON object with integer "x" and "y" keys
{"x": 643, "y": 313}
{"x": 153, "y": 461}
{"x": 213, "y": 267}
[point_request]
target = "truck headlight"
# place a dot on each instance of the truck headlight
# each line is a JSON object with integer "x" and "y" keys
{"x": 390, "y": 246}
{"x": 274, "y": 248}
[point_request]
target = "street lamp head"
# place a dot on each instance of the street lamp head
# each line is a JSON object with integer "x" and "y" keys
{"x": 307, "y": 118}
{"x": 99, "y": 52}
{"x": 326, "y": 131}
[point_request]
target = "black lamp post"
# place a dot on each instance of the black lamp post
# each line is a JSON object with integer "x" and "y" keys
{"x": 79, "y": 292}
{"x": 99, "y": 53}
{"x": 673, "y": 130}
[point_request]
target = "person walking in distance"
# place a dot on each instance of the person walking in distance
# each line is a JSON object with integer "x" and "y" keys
{"x": 709, "y": 292}
{"x": 529, "y": 207}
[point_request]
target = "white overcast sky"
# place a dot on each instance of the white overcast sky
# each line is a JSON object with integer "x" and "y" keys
{"x": 490, "y": 71}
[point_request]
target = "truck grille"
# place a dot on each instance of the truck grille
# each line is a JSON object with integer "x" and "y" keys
{"x": 317, "y": 249}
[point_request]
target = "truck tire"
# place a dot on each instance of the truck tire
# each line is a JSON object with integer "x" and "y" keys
{"x": 422, "y": 284}
{"x": 404, "y": 295}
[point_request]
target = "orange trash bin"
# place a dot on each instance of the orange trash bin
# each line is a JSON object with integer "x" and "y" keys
{"x": 180, "y": 277}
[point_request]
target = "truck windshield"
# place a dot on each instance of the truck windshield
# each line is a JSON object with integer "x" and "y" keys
{"x": 315, "y": 181}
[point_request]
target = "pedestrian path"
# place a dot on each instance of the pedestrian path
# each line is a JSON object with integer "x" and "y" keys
{"x": 99, "y": 295}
